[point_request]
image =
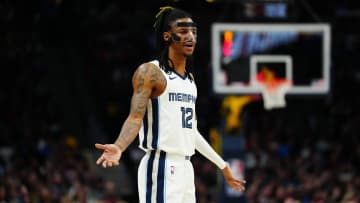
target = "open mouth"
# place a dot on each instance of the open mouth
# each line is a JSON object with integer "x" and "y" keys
{"x": 189, "y": 44}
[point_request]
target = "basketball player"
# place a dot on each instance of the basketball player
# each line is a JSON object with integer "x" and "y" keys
{"x": 163, "y": 114}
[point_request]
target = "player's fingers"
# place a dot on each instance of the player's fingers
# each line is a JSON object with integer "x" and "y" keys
{"x": 240, "y": 189}
{"x": 116, "y": 163}
{"x": 109, "y": 164}
{"x": 101, "y": 159}
{"x": 239, "y": 185}
{"x": 241, "y": 182}
{"x": 100, "y": 146}
{"x": 104, "y": 164}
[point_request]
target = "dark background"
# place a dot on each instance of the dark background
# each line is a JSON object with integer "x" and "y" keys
{"x": 65, "y": 84}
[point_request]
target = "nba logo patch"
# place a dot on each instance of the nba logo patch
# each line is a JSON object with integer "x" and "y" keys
{"x": 172, "y": 170}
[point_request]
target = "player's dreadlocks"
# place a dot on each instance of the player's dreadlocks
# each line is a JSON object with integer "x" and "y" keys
{"x": 163, "y": 20}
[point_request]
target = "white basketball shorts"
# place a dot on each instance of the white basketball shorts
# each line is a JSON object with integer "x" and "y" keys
{"x": 166, "y": 178}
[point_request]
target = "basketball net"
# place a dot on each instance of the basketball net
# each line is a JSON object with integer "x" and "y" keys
{"x": 273, "y": 92}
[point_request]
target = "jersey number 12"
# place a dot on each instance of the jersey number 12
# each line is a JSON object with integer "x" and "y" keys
{"x": 187, "y": 115}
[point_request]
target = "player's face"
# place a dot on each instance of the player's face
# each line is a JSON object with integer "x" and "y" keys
{"x": 183, "y": 35}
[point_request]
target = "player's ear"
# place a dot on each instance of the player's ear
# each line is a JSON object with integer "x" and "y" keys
{"x": 166, "y": 36}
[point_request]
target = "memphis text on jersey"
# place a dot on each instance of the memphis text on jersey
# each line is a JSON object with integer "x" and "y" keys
{"x": 182, "y": 97}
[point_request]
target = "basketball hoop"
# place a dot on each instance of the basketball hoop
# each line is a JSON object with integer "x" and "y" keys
{"x": 273, "y": 92}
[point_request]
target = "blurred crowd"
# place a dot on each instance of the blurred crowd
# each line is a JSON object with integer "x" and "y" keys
{"x": 65, "y": 84}
{"x": 53, "y": 172}
{"x": 304, "y": 153}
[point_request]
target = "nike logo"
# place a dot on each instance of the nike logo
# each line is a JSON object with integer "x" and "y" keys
{"x": 171, "y": 78}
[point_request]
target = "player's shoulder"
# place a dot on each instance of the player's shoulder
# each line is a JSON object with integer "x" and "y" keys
{"x": 149, "y": 66}
{"x": 151, "y": 74}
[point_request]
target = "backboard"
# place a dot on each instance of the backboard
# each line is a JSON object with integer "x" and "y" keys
{"x": 296, "y": 52}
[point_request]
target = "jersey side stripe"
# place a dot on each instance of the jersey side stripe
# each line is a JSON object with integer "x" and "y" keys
{"x": 155, "y": 123}
{"x": 145, "y": 128}
{"x": 149, "y": 182}
{"x": 161, "y": 178}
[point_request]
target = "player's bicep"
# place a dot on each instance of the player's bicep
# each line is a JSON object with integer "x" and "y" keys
{"x": 142, "y": 89}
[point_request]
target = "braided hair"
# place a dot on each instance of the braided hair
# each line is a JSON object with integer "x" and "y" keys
{"x": 163, "y": 20}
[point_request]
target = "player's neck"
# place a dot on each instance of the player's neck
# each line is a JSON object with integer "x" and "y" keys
{"x": 179, "y": 63}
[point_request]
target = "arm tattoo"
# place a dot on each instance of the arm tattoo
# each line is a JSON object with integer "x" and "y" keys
{"x": 143, "y": 81}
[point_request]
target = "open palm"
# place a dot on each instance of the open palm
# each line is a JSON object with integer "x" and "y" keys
{"x": 111, "y": 155}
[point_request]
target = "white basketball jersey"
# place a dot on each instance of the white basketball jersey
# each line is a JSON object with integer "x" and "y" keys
{"x": 169, "y": 121}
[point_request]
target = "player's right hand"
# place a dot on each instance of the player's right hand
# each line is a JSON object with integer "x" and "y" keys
{"x": 111, "y": 155}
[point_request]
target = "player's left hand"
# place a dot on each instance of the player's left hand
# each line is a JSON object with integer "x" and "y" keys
{"x": 234, "y": 183}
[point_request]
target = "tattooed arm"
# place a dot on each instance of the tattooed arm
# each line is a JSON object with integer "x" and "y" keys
{"x": 147, "y": 81}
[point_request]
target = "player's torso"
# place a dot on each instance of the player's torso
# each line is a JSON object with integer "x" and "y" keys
{"x": 170, "y": 118}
